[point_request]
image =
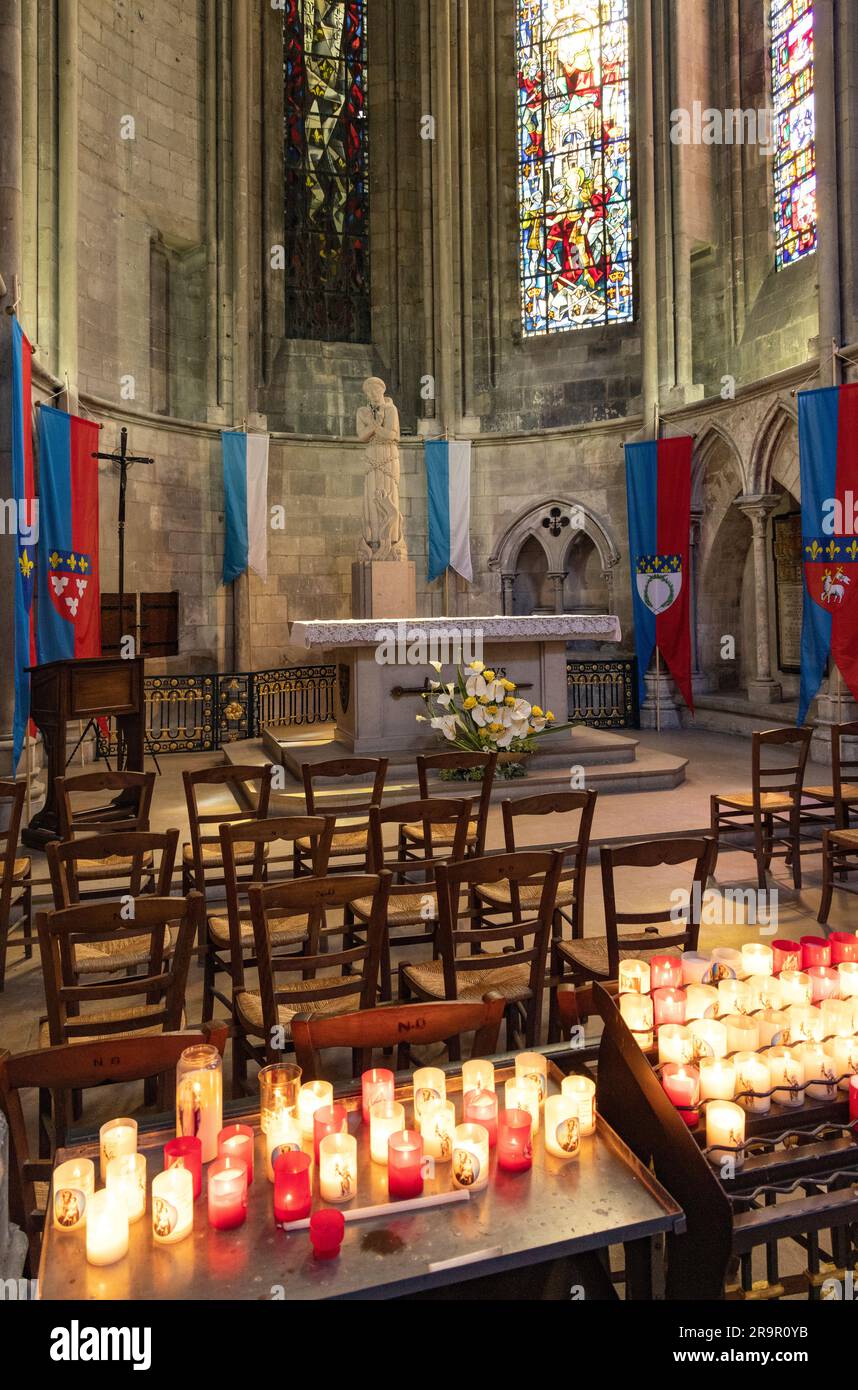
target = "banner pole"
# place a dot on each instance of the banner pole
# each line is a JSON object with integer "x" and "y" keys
{"x": 28, "y": 773}
{"x": 657, "y": 691}
{"x": 447, "y": 592}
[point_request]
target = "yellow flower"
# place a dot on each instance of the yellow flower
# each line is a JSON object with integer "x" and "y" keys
{"x": 488, "y": 675}
{"x": 470, "y": 703}
{"x": 549, "y": 716}
{"x": 493, "y": 712}
{"x": 508, "y": 685}
{"x": 485, "y": 699}
{"x": 537, "y": 711}
{"x": 496, "y": 728}
{"x": 509, "y": 701}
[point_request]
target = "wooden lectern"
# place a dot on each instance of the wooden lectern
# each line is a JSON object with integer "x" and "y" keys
{"x": 87, "y": 688}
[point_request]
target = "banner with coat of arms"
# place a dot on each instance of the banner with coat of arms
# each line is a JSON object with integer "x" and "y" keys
{"x": 828, "y": 452}
{"x": 658, "y": 482}
{"x": 69, "y": 595}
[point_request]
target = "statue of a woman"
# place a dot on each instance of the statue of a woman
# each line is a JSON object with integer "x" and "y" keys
{"x": 378, "y": 428}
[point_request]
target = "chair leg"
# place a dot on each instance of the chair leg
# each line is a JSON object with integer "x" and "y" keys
{"x": 827, "y": 882}
{"x": 795, "y": 846}
{"x": 715, "y": 826}
{"x": 4, "y": 942}
{"x": 27, "y": 904}
{"x": 208, "y": 985}
{"x": 760, "y": 854}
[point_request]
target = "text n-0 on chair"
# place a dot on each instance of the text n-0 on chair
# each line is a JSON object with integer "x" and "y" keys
{"x": 75, "y": 1067}
{"x": 231, "y": 942}
{"x": 569, "y": 830}
{"x": 350, "y": 844}
{"x": 323, "y": 982}
{"x": 771, "y": 809}
{"x": 413, "y": 901}
{"x": 148, "y": 857}
{"x": 391, "y": 1026}
{"x": 645, "y": 931}
{"x": 508, "y": 960}
{"x": 15, "y": 886}
{"x": 80, "y": 819}
{"x": 411, "y": 840}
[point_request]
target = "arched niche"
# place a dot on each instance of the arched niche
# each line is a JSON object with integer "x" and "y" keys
{"x": 556, "y": 557}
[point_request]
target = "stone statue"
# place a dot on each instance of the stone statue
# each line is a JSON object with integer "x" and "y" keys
{"x": 378, "y": 428}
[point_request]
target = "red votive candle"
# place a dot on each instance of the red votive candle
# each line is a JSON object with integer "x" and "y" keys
{"x": 787, "y": 955}
{"x": 481, "y": 1108}
{"x": 853, "y": 1098}
{"x": 186, "y": 1152}
{"x": 668, "y": 1006}
{"x": 292, "y": 1195}
{"x": 515, "y": 1140}
{"x": 815, "y": 950}
{"x": 236, "y": 1141}
{"x": 682, "y": 1087}
{"x": 824, "y": 982}
{"x": 405, "y": 1164}
{"x": 376, "y": 1084}
{"x": 328, "y": 1119}
{"x": 326, "y": 1233}
{"x": 227, "y": 1193}
{"x": 844, "y": 947}
{"x": 666, "y": 973}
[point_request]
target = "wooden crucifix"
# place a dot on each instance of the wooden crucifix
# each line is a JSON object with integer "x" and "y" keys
{"x": 123, "y": 459}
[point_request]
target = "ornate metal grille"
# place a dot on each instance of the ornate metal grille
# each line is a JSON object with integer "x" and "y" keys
{"x": 603, "y": 694}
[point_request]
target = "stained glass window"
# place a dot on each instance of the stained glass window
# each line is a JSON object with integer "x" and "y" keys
{"x": 326, "y": 195}
{"x": 795, "y": 151}
{"x": 573, "y": 158}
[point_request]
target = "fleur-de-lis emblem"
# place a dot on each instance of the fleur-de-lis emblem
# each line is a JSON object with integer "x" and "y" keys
{"x": 25, "y": 564}
{"x": 832, "y": 550}
{"x": 53, "y": 560}
{"x": 72, "y": 562}
{"x": 83, "y": 564}
{"x": 852, "y": 550}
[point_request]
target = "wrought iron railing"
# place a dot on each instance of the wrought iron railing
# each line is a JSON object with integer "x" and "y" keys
{"x": 196, "y": 714}
{"x": 603, "y": 694}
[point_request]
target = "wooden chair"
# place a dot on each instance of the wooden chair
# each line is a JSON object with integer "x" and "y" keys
{"x": 128, "y": 812}
{"x": 75, "y": 1066}
{"x": 516, "y": 970}
{"x": 15, "y": 883}
{"x": 396, "y": 1026}
{"x": 266, "y": 1014}
{"x": 351, "y": 840}
{"x": 411, "y": 837}
{"x": 842, "y": 795}
{"x": 202, "y": 867}
{"x": 139, "y": 851}
{"x": 774, "y": 803}
{"x": 633, "y": 935}
{"x": 413, "y": 902}
{"x": 509, "y": 898}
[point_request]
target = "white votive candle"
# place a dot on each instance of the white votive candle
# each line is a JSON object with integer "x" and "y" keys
{"x": 734, "y": 997}
{"x": 726, "y": 962}
{"x": 106, "y": 1229}
{"x": 675, "y": 1044}
{"x": 700, "y": 1001}
{"x": 74, "y": 1185}
{"x": 470, "y": 1157}
{"x": 743, "y": 1034}
{"x": 725, "y": 1132}
{"x": 386, "y": 1117}
{"x": 172, "y": 1206}
{"x": 126, "y": 1178}
{"x": 796, "y": 986}
{"x": 844, "y": 1055}
{"x": 338, "y": 1167}
{"x": 311, "y": 1097}
{"x": 773, "y": 1025}
{"x": 533, "y": 1065}
{"x": 477, "y": 1075}
{"x": 116, "y": 1138}
{"x": 430, "y": 1084}
{"x": 787, "y": 1072}
{"x": 805, "y": 1024}
{"x": 562, "y": 1126}
{"x": 765, "y": 992}
{"x": 848, "y": 972}
{"x": 522, "y": 1093}
{"x": 634, "y": 977}
{"x": 637, "y": 1013}
{"x": 199, "y": 1108}
{"x": 282, "y": 1135}
{"x": 695, "y": 967}
{"x": 437, "y": 1126}
{"x": 709, "y": 1036}
{"x": 717, "y": 1079}
{"x": 583, "y": 1091}
{"x": 757, "y": 959}
{"x": 819, "y": 1072}
{"x": 754, "y": 1079}
{"x": 836, "y": 1018}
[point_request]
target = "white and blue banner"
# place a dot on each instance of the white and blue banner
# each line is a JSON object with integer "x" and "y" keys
{"x": 448, "y": 488}
{"x": 245, "y": 486}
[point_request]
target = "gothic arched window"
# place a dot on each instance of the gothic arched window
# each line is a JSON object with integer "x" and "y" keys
{"x": 326, "y": 194}
{"x": 795, "y": 149}
{"x": 573, "y": 159}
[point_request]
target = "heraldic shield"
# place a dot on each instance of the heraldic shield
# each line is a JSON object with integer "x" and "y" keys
{"x": 659, "y": 580}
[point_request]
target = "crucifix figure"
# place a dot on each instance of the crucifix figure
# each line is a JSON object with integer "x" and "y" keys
{"x": 124, "y": 460}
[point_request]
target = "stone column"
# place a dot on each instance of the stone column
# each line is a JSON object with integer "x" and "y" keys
{"x": 507, "y": 581}
{"x": 762, "y": 689}
{"x": 699, "y": 680}
{"x": 827, "y": 192}
{"x": 558, "y": 580}
{"x": 241, "y": 606}
{"x": 11, "y": 251}
{"x": 647, "y": 291}
{"x": 68, "y": 196}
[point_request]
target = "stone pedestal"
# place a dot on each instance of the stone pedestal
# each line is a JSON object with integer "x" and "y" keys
{"x": 659, "y": 710}
{"x": 384, "y": 588}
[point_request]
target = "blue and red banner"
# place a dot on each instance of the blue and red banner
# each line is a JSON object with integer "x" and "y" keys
{"x": 69, "y": 604}
{"x": 658, "y": 481}
{"x": 828, "y": 450}
{"x": 23, "y": 495}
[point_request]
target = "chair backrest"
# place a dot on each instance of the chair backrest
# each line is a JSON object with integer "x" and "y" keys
{"x": 357, "y": 966}
{"x": 261, "y": 834}
{"x": 11, "y": 797}
{"x": 843, "y": 770}
{"x": 334, "y": 768}
{"x": 788, "y": 779}
{"x": 653, "y": 854}
{"x": 65, "y": 857}
{"x": 76, "y": 1066}
{"x": 462, "y": 762}
{"x": 522, "y": 943}
{"x": 428, "y": 813}
{"x": 128, "y": 811}
{"x": 396, "y": 1025}
{"x": 235, "y": 779}
{"x": 575, "y": 847}
{"x": 630, "y": 1098}
{"x": 154, "y": 999}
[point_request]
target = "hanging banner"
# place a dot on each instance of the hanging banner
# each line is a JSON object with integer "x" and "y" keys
{"x": 448, "y": 492}
{"x": 245, "y": 486}
{"x": 658, "y": 482}
{"x": 69, "y": 596}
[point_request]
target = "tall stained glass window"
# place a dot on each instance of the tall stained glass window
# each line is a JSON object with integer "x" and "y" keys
{"x": 795, "y": 151}
{"x": 573, "y": 156}
{"x": 326, "y": 195}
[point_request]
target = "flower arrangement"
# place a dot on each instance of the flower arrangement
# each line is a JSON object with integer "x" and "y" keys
{"x": 479, "y": 711}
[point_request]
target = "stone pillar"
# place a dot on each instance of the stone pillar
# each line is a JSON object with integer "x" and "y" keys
{"x": 827, "y": 193}
{"x": 558, "y": 580}
{"x": 699, "y": 680}
{"x": 647, "y": 292}
{"x": 762, "y": 689}
{"x": 68, "y": 196}
{"x": 507, "y": 581}
{"x": 241, "y": 607}
{"x": 11, "y": 252}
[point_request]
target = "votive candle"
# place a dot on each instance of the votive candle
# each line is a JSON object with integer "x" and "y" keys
{"x": 515, "y": 1141}
{"x": 437, "y": 1127}
{"x": 695, "y": 967}
{"x": 533, "y": 1065}
{"x": 293, "y": 1196}
{"x": 820, "y": 1076}
{"x": 282, "y": 1136}
{"x": 562, "y": 1126}
{"x": 338, "y": 1168}
{"x": 824, "y": 982}
{"x": 199, "y": 1097}
{"x": 106, "y": 1228}
{"x": 675, "y": 1044}
{"x": 844, "y": 1054}
{"x": 734, "y": 997}
{"x": 115, "y": 1138}
{"x": 385, "y": 1118}
{"x": 787, "y": 956}
{"x": 470, "y": 1157}
{"x": 522, "y": 1093}
{"x": 836, "y": 1018}
{"x": 726, "y": 963}
{"x": 405, "y": 1161}
{"x": 376, "y": 1085}
{"x": 717, "y": 1079}
{"x": 700, "y": 1001}
{"x": 665, "y": 972}
{"x": 844, "y": 947}
{"x": 74, "y": 1186}
{"x": 796, "y": 987}
{"x": 787, "y": 1073}
{"x": 311, "y": 1097}
{"x": 743, "y": 1034}
{"x": 583, "y": 1091}
{"x": 853, "y": 1100}
{"x": 481, "y": 1108}
{"x": 709, "y": 1036}
{"x": 430, "y": 1083}
{"x": 848, "y": 972}
{"x": 329, "y": 1119}
{"x": 725, "y": 1132}
{"x": 279, "y": 1085}
{"x": 765, "y": 992}
{"x": 773, "y": 1024}
{"x": 172, "y": 1206}
{"x": 805, "y": 1023}
{"x": 637, "y": 1013}
{"x": 186, "y": 1152}
{"x": 634, "y": 977}
{"x": 753, "y": 1078}
{"x": 682, "y": 1087}
{"x": 237, "y": 1141}
{"x": 126, "y": 1179}
{"x": 668, "y": 1006}
{"x": 477, "y": 1075}
{"x": 815, "y": 950}
{"x": 227, "y": 1194}
{"x": 757, "y": 959}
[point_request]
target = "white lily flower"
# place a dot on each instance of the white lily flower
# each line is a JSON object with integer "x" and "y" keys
{"x": 522, "y": 709}
{"x": 506, "y": 738}
{"x": 480, "y": 716}
{"x": 447, "y": 724}
{"x": 434, "y": 685}
{"x": 537, "y": 725}
{"x": 475, "y": 685}
{"x": 436, "y": 666}
{"x": 445, "y": 700}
